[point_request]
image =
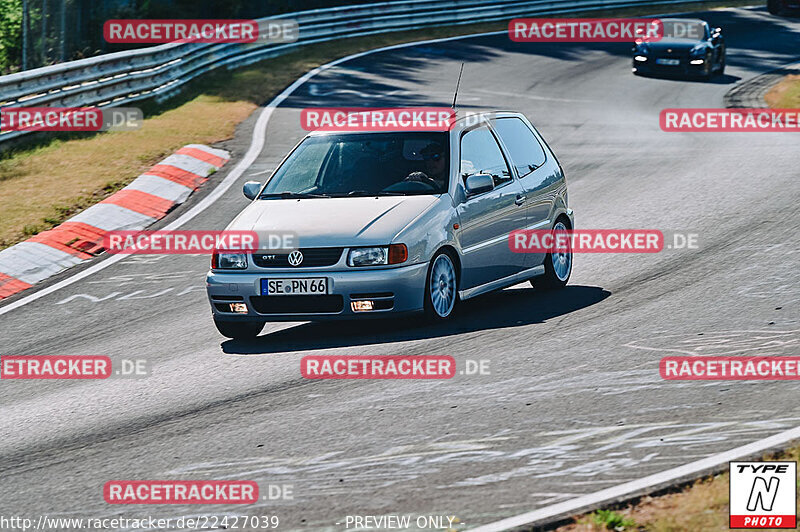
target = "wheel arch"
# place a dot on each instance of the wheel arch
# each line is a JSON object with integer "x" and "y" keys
{"x": 456, "y": 258}
{"x": 564, "y": 218}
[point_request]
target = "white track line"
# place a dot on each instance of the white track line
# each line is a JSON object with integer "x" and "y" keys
{"x": 687, "y": 471}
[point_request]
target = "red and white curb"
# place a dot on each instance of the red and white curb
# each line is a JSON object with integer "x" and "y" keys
{"x": 147, "y": 199}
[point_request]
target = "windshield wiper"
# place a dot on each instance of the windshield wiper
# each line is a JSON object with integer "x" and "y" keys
{"x": 353, "y": 194}
{"x": 293, "y": 195}
{"x": 366, "y": 194}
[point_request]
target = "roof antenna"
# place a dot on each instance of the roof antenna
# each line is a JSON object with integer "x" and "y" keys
{"x": 457, "y": 84}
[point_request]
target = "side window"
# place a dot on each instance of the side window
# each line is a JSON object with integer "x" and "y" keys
{"x": 480, "y": 154}
{"x": 526, "y": 153}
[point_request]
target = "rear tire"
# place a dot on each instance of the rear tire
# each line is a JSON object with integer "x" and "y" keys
{"x": 557, "y": 267}
{"x": 441, "y": 287}
{"x": 239, "y": 330}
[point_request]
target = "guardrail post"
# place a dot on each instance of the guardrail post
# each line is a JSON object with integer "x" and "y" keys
{"x": 63, "y": 50}
{"x": 24, "y": 34}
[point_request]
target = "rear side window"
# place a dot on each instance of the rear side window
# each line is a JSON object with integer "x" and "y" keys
{"x": 526, "y": 153}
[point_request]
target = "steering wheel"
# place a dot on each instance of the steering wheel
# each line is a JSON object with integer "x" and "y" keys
{"x": 422, "y": 178}
{"x": 410, "y": 186}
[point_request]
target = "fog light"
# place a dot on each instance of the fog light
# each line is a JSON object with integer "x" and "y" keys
{"x": 239, "y": 308}
{"x": 362, "y": 306}
{"x": 697, "y": 61}
{"x": 640, "y": 58}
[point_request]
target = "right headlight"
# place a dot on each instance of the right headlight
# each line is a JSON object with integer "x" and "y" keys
{"x": 229, "y": 261}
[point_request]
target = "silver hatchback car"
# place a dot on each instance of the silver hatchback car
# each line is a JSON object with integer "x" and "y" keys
{"x": 394, "y": 222}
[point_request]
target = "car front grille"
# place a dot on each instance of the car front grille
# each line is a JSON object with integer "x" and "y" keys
{"x": 683, "y": 55}
{"x": 297, "y": 304}
{"x": 312, "y": 257}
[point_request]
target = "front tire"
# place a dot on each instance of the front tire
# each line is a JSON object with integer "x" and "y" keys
{"x": 708, "y": 70}
{"x": 441, "y": 287}
{"x": 239, "y": 330}
{"x": 557, "y": 266}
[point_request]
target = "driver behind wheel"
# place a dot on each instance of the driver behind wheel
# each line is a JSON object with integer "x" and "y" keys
{"x": 435, "y": 167}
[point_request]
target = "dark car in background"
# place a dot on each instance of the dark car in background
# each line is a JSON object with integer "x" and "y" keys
{"x": 688, "y": 48}
{"x": 784, "y": 7}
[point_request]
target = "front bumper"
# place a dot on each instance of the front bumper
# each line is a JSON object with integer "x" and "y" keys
{"x": 685, "y": 68}
{"x": 397, "y": 290}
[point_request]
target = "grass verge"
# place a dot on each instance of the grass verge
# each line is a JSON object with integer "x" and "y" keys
{"x": 46, "y": 181}
{"x": 786, "y": 94}
{"x": 701, "y": 506}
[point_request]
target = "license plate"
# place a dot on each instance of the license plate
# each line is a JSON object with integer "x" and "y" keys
{"x": 671, "y": 62}
{"x": 294, "y": 287}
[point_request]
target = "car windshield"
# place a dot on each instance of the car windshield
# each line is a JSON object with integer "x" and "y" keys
{"x": 684, "y": 29}
{"x": 368, "y": 164}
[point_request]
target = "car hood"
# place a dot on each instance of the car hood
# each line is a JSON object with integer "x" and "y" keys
{"x": 676, "y": 45}
{"x": 334, "y": 222}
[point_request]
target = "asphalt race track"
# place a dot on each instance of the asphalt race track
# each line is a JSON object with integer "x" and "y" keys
{"x": 574, "y": 402}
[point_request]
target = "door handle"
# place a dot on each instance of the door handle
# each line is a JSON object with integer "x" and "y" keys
{"x": 520, "y": 199}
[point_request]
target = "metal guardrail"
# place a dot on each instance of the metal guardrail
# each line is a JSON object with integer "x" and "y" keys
{"x": 160, "y": 71}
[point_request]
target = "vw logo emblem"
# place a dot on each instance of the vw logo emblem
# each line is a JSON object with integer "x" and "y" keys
{"x": 295, "y": 258}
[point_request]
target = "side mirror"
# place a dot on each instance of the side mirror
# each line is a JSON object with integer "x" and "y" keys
{"x": 479, "y": 183}
{"x": 250, "y": 189}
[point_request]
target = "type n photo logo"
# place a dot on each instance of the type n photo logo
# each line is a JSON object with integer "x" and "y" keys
{"x": 763, "y": 494}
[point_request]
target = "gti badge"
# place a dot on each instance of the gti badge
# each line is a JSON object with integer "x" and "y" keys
{"x": 295, "y": 258}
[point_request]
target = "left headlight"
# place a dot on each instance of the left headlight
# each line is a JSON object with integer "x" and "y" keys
{"x": 377, "y": 256}
{"x": 229, "y": 261}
